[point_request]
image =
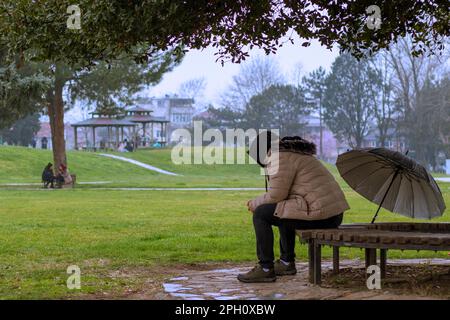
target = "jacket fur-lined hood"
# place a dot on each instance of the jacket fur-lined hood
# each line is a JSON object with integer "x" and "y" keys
{"x": 297, "y": 145}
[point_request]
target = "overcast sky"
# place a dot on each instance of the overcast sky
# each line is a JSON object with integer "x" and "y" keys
{"x": 203, "y": 63}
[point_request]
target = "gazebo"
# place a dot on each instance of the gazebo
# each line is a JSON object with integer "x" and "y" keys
{"x": 143, "y": 116}
{"x": 110, "y": 122}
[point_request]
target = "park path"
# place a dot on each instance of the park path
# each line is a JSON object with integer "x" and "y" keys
{"x": 221, "y": 284}
{"x": 138, "y": 163}
{"x": 443, "y": 179}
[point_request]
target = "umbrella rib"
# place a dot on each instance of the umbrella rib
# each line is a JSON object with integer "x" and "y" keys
{"x": 386, "y": 193}
{"x": 426, "y": 202}
{"x": 365, "y": 163}
{"x": 368, "y": 176}
{"x": 437, "y": 193}
{"x": 436, "y": 200}
{"x": 407, "y": 177}
{"x": 399, "y": 186}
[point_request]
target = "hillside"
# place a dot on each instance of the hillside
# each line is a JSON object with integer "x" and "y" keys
{"x": 20, "y": 165}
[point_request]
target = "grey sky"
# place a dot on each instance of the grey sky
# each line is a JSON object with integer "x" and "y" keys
{"x": 202, "y": 64}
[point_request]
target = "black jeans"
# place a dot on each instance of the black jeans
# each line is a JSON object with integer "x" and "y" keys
{"x": 263, "y": 220}
{"x": 48, "y": 182}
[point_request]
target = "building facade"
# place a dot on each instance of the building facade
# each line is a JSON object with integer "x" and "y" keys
{"x": 178, "y": 111}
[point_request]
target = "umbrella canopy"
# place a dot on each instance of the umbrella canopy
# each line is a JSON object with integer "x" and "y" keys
{"x": 393, "y": 181}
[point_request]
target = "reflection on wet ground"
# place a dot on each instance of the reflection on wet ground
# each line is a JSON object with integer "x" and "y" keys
{"x": 221, "y": 284}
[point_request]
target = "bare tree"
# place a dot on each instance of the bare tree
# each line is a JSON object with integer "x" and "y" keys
{"x": 385, "y": 106}
{"x": 253, "y": 78}
{"x": 193, "y": 88}
{"x": 296, "y": 75}
{"x": 412, "y": 74}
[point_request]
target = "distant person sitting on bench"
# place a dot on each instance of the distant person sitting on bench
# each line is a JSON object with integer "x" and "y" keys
{"x": 47, "y": 176}
{"x": 128, "y": 146}
{"x": 63, "y": 176}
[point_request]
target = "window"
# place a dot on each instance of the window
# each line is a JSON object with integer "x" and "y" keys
{"x": 181, "y": 117}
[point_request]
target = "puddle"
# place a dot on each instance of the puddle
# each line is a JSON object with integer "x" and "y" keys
{"x": 228, "y": 290}
{"x": 277, "y": 296}
{"x": 179, "y": 279}
{"x": 230, "y": 271}
{"x": 188, "y": 296}
{"x": 219, "y": 284}
{"x": 174, "y": 287}
{"x": 212, "y": 294}
{"x": 230, "y": 298}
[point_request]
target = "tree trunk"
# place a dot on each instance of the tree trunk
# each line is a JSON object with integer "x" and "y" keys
{"x": 56, "y": 115}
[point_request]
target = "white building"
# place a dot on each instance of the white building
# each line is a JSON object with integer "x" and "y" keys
{"x": 179, "y": 111}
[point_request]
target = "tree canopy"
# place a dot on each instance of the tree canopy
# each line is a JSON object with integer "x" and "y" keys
{"x": 22, "y": 132}
{"x": 110, "y": 28}
{"x": 279, "y": 106}
{"x": 348, "y": 99}
{"x": 21, "y": 91}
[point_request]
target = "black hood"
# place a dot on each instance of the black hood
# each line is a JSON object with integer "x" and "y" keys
{"x": 298, "y": 145}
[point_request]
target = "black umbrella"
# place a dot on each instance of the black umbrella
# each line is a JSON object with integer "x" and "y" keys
{"x": 393, "y": 181}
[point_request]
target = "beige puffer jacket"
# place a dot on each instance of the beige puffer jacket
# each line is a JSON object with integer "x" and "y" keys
{"x": 302, "y": 188}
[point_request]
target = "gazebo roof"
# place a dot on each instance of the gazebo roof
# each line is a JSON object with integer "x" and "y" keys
{"x": 138, "y": 109}
{"x": 139, "y": 118}
{"x": 104, "y": 122}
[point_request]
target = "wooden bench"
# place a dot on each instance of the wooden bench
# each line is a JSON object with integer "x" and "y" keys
{"x": 71, "y": 184}
{"x": 382, "y": 236}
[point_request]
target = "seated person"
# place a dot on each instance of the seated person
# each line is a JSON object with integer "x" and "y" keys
{"x": 63, "y": 177}
{"x": 302, "y": 194}
{"x": 47, "y": 176}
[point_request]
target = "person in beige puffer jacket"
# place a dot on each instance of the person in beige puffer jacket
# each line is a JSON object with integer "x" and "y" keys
{"x": 302, "y": 194}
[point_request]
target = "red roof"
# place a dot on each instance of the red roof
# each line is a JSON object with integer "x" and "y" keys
{"x": 104, "y": 122}
{"x": 139, "y": 109}
{"x": 45, "y": 130}
{"x": 145, "y": 118}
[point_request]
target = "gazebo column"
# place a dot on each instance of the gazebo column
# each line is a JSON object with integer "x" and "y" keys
{"x": 151, "y": 133}
{"x": 166, "y": 133}
{"x": 75, "y": 137}
{"x": 109, "y": 137}
{"x": 162, "y": 134}
{"x": 117, "y": 138}
{"x": 121, "y": 134}
{"x": 93, "y": 137}
{"x": 143, "y": 129}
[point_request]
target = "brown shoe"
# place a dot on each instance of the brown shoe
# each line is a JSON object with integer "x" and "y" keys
{"x": 257, "y": 274}
{"x": 282, "y": 269}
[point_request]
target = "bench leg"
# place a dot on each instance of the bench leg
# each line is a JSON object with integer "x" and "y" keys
{"x": 383, "y": 258}
{"x": 311, "y": 260}
{"x": 335, "y": 259}
{"x": 371, "y": 257}
{"x": 317, "y": 264}
{"x": 367, "y": 257}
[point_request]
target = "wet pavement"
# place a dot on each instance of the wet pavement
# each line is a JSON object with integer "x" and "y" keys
{"x": 221, "y": 284}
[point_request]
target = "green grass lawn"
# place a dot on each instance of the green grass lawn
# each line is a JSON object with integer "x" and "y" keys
{"x": 42, "y": 232}
{"x": 24, "y": 165}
